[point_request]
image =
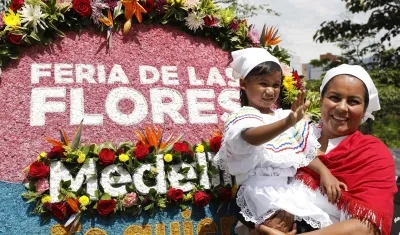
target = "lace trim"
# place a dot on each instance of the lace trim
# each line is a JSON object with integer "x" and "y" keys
{"x": 245, "y": 211}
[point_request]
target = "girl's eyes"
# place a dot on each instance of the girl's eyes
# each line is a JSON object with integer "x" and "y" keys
{"x": 276, "y": 86}
{"x": 263, "y": 84}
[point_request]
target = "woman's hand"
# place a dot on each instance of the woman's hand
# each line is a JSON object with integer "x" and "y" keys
{"x": 298, "y": 108}
{"x": 262, "y": 229}
{"x": 331, "y": 186}
{"x": 281, "y": 220}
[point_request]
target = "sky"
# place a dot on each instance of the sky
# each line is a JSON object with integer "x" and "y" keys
{"x": 298, "y": 22}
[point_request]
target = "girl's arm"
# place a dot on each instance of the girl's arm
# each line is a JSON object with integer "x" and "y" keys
{"x": 262, "y": 134}
{"x": 330, "y": 185}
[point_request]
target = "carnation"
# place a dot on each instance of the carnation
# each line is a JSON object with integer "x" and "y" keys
{"x": 42, "y": 185}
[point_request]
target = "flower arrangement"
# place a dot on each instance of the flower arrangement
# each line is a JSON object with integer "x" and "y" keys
{"x": 27, "y": 22}
{"x": 73, "y": 179}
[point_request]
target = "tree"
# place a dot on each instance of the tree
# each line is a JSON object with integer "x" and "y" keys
{"x": 246, "y": 10}
{"x": 383, "y": 23}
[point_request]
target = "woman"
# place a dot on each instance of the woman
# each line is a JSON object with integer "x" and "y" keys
{"x": 363, "y": 163}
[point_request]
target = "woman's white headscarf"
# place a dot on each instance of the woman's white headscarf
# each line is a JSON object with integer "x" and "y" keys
{"x": 246, "y": 59}
{"x": 360, "y": 73}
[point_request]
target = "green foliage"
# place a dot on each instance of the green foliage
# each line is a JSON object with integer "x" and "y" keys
{"x": 383, "y": 22}
{"x": 246, "y": 10}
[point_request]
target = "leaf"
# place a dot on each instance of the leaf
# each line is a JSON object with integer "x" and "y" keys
{"x": 184, "y": 170}
{"x": 76, "y": 141}
{"x": 64, "y": 137}
{"x": 148, "y": 207}
{"x": 34, "y": 36}
{"x": 105, "y": 196}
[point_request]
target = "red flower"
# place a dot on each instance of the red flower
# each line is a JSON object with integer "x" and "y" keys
{"x": 56, "y": 152}
{"x": 201, "y": 198}
{"x": 234, "y": 25}
{"x": 297, "y": 78}
{"x": 60, "y": 210}
{"x": 215, "y": 143}
{"x": 174, "y": 195}
{"x": 38, "y": 170}
{"x": 149, "y": 5}
{"x": 16, "y": 4}
{"x": 181, "y": 147}
{"x": 141, "y": 152}
{"x": 14, "y": 38}
{"x": 209, "y": 20}
{"x": 225, "y": 194}
{"x": 105, "y": 207}
{"x": 82, "y": 7}
{"x": 106, "y": 157}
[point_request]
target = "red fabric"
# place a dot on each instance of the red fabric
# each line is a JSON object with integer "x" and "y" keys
{"x": 367, "y": 167}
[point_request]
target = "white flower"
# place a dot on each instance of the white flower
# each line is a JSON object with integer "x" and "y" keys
{"x": 194, "y": 21}
{"x": 31, "y": 16}
{"x": 286, "y": 70}
{"x": 191, "y": 4}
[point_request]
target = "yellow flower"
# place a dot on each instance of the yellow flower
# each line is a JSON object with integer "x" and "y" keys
{"x": 168, "y": 157}
{"x": 84, "y": 200}
{"x": 200, "y": 148}
{"x": 188, "y": 197}
{"x": 123, "y": 157}
{"x": 11, "y": 19}
{"x": 178, "y": 2}
{"x": 288, "y": 83}
{"x": 41, "y": 155}
{"x": 46, "y": 199}
{"x": 234, "y": 190}
{"x": 81, "y": 157}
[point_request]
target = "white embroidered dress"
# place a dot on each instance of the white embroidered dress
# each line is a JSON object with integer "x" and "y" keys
{"x": 263, "y": 171}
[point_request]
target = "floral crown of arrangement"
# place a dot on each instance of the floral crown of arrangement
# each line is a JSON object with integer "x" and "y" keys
{"x": 30, "y": 22}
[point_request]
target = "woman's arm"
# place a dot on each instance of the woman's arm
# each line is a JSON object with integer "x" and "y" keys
{"x": 347, "y": 227}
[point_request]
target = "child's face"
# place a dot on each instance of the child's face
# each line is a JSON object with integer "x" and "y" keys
{"x": 262, "y": 90}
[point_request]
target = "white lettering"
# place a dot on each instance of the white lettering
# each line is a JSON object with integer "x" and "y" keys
{"x": 84, "y": 72}
{"x": 160, "y": 109}
{"x": 195, "y": 107}
{"x": 39, "y": 70}
{"x": 63, "y": 74}
{"x": 169, "y": 72}
{"x": 214, "y": 77}
{"x": 117, "y": 74}
{"x": 78, "y": 110}
{"x": 39, "y": 105}
{"x": 143, "y": 69}
{"x": 192, "y": 78}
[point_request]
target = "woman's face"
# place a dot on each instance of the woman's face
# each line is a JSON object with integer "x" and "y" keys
{"x": 342, "y": 106}
{"x": 262, "y": 90}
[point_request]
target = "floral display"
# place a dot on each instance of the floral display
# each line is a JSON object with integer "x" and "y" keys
{"x": 73, "y": 179}
{"x": 30, "y": 22}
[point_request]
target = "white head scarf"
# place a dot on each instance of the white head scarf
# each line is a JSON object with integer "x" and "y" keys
{"x": 246, "y": 59}
{"x": 360, "y": 73}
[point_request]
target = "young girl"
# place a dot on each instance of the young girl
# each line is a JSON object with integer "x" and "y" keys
{"x": 263, "y": 147}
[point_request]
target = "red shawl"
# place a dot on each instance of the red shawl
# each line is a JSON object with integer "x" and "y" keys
{"x": 367, "y": 167}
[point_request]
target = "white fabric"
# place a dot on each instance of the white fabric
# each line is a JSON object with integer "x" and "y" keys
{"x": 360, "y": 73}
{"x": 314, "y": 198}
{"x": 262, "y": 173}
{"x": 245, "y": 60}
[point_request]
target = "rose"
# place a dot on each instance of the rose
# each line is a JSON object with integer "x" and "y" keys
{"x": 106, "y": 157}
{"x": 209, "y": 20}
{"x": 148, "y": 5}
{"x": 60, "y": 210}
{"x": 105, "y": 207}
{"x": 15, "y": 38}
{"x": 181, "y": 147}
{"x": 56, "y": 152}
{"x": 174, "y": 195}
{"x": 130, "y": 199}
{"x": 42, "y": 185}
{"x": 141, "y": 152}
{"x": 38, "y": 170}
{"x": 225, "y": 194}
{"x": 201, "y": 198}
{"x": 82, "y": 7}
{"x": 188, "y": 156}
{"x": 16, "y": 4}
{"x": 215, "y": 143}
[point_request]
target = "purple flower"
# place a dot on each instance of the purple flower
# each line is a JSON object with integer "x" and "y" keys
{"x": 254, "y": 35}
{"x": 111, "y": 3}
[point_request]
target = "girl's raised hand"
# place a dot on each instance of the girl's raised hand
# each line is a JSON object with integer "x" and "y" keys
{"x": 298, "y": 108}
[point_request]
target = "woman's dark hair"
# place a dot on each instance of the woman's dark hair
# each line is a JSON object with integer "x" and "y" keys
{"x": 264, "y": 68}
{"x": 366, "y": 94}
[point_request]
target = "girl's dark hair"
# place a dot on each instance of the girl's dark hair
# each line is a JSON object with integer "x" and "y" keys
{"x": 366, "y": 94}
{"x": 264, "y": 68}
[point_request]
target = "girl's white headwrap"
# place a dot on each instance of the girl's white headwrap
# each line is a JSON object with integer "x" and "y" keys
{"x": 360, "y": 73}
{"x": 246, "y": 59}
